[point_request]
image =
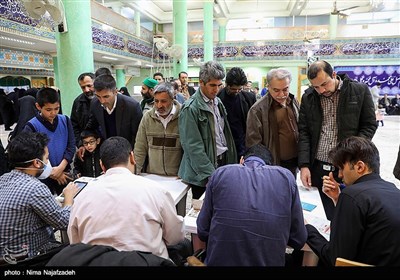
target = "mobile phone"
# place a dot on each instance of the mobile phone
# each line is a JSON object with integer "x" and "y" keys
{"x": 308, "y": 206}
{"x": 80, "y": 185}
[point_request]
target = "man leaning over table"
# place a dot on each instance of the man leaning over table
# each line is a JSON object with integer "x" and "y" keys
{"x": 251, "y": 213}
{"x": 332, "y": 108}
{"x": 29, "y": 213}
{"x": 124, "y": 210}
{"x": 366, "y": 221}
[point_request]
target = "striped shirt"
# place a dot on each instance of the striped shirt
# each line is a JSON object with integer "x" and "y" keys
{"x": 329, "y": 130}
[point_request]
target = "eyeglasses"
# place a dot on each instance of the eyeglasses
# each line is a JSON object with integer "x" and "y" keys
{"x": 91, "y": 142}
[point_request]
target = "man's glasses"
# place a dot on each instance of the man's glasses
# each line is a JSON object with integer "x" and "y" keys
{"x": 91, "y": 142}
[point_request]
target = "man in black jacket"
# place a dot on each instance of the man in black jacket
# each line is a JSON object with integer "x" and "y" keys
{"x": 332, "y": 109}
{"x": 237, "y": 103}
{"x": 81, "y": 106}
{"x": 366, "y": 222}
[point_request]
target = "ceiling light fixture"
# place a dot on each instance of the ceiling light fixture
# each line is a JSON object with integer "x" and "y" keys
{"x": 16, "y": 40}
{"x": 109, "y": 57}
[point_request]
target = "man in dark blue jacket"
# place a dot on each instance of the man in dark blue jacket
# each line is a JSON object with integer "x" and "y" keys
{"x": 251, "y": 212}
{"x": 332, "y": 109}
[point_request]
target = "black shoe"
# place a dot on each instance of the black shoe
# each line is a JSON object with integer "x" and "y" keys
{"x": 8, "y": 129}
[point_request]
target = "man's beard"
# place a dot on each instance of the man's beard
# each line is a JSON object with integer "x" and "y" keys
{"x": 146, "y": 95}
{"x": 89, "y": 95}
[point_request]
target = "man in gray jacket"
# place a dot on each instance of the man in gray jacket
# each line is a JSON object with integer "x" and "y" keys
{"x": 334, "y": 108}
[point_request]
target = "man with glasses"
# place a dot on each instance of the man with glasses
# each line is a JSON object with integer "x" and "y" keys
{"x": 272, "y": 121}
{"x": 332, "y": 109}
{"x": 237, "y": 103}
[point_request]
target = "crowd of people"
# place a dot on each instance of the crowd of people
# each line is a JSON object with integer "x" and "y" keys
{"x": 243, "y": 152}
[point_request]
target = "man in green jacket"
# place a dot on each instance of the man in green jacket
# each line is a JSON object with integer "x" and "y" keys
{"x": 205, "y": 134}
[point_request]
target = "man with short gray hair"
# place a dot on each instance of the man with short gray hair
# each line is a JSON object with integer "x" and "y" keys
{"x": 272, "y": 121}
{"x": 206, "y": 137}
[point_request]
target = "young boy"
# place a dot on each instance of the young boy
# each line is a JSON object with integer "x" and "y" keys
{"x": 90, "y": 166}
{"x": 59, "y": 130}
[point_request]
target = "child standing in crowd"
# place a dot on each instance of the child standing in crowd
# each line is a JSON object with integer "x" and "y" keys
{"x": 61, "y": 146}
{"x": 90, "y": 166}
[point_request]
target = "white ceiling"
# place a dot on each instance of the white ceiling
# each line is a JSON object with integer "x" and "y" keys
{"x": 161, "y": 12}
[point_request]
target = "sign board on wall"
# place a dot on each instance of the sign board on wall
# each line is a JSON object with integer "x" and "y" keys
{"x": 387, "y": 75}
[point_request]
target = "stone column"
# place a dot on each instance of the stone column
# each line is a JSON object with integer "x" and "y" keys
{"x": 55, "y": 68}
{"x": 137, "y": 23}
{"x": 120, "y": 74}
{"x": 180, "y": 34}
{"x": 208, "y": 23}
{"x": 333, "y": 23}
{"x": 74, "y": 50}
{"x": 222, "y": 29}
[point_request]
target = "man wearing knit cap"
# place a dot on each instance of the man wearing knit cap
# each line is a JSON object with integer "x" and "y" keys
{"x": 147, "y": 94}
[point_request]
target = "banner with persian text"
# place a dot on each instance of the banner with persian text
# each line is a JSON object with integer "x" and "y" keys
{"x": 387, "y": 75}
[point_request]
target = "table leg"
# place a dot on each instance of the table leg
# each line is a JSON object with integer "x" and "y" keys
{"x": 181, "y": 206}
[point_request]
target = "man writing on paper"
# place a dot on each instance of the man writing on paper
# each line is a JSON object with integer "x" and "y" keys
{"x": 251, "y": 212}
{"x": 366, "y": 221}
{"x": 123, "y": 210}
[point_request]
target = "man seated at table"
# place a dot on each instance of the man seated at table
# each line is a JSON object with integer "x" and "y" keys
{"x": 366, "y": 221}
{"x": 251, "y": 213}
{"x": 123, "y": 210}
{"x": 29, "y": 213}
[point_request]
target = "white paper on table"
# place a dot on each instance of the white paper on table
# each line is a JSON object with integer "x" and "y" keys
{"x": 322, "y": 225}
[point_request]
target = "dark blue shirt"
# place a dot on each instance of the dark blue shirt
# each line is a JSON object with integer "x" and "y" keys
{"x": 250, "y": 214}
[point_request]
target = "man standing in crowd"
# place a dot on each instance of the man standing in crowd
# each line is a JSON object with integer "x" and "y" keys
{"x": 159, "y": 77}
{"x": 157, "y": 140}
{"x": 147, "y": 94}
{"x": 332, "y": 109}
{"x": 81, "y": 107}
{"x": 251, "y": 213}
{"x": 29, "y": 213}
{"x": 272, "y": 121}
{"x": 366, "y": 222}
{"x": 237, "y": 103}
{"x": 187, "y": 90}
{"x": 111, "y": 113}
{"x": 205, "y": 134}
